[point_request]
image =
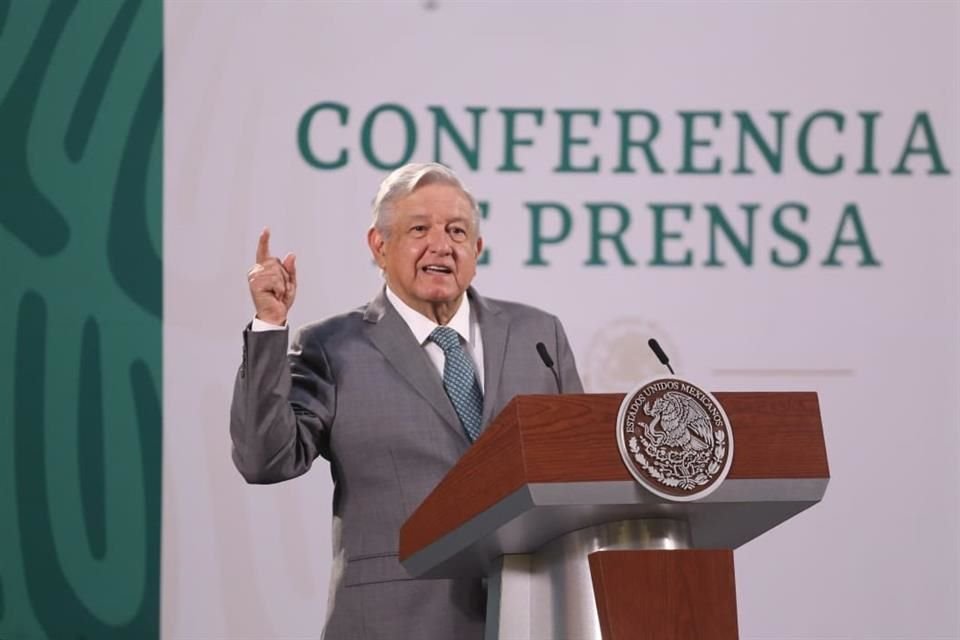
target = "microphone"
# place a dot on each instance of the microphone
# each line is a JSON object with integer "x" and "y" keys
{"x": 661, "y": 356}
{"x": 548, "y": 363}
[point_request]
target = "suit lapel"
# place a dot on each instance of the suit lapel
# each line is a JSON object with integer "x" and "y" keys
{"x": 494, "y": 329}
{"x": 393, "y": 338}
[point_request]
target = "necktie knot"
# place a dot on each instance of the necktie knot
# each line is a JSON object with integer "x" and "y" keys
{"x": 446, "y": 338}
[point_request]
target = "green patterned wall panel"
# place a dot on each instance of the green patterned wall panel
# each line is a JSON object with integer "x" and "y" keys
{"x": 81, "y": 93}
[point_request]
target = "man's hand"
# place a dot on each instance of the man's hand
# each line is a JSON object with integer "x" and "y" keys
{"x": 273, "y": 283}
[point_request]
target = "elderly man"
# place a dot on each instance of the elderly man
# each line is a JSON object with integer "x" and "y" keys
{"x": 392, "y": 394}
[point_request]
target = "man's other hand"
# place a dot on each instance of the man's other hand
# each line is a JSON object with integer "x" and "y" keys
{"x": 273, "y": 283}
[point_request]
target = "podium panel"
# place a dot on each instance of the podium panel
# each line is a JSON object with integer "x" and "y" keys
{"x": 665, "y": 595}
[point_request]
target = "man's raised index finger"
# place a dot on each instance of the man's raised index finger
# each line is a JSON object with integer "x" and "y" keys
{"x": 263, "y": 246}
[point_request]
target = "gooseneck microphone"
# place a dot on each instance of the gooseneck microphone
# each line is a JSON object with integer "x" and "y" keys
{"x": 661, "y": 356}
{"x": 548, "y": 363}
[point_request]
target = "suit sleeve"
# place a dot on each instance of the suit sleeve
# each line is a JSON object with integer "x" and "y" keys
{"x": 566, "y": 364}
{"x": 283, "y": 406}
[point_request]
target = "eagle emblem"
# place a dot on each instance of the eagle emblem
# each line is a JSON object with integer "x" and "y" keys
{"x": 683, "y": 423}
{"x": 675, "y": 438}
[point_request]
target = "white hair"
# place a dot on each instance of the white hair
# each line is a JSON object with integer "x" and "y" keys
{"x": 407, "y": 179}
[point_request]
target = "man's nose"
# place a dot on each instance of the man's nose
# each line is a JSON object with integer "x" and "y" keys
{"x": 438, "y": 240}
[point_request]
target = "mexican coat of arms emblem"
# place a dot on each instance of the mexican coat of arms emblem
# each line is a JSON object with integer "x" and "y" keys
{"x": 675, "y": 438}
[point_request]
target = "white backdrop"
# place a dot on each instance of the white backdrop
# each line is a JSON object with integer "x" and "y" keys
{"x": 878, "y": 558}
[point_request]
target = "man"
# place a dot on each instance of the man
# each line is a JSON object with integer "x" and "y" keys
{"x": 392, "y": 394}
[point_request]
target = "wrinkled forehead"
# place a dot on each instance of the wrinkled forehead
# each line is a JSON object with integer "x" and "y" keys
{"x": 438, "y": 201}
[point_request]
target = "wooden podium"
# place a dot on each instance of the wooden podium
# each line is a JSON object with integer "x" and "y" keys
{"x": 573, "y": 548}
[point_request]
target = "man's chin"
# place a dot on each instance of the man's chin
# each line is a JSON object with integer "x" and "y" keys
{"x": 442, "y": 296}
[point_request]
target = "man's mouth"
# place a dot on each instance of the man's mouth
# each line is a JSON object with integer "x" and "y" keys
{"x": 436, "y": 268}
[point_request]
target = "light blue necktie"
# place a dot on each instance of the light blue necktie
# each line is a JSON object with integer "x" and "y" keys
{"x": 460, "y": 381}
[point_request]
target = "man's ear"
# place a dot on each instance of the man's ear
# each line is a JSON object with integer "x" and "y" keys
{"x": 479, "y": 246}
{"x": 376, "y": 242}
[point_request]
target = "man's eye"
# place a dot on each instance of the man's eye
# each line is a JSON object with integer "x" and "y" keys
{"x": 458, "y": 232}
{"x": 420, "y": 228}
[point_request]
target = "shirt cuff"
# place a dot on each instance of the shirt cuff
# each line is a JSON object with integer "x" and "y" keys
{"x": 260, "y": 325}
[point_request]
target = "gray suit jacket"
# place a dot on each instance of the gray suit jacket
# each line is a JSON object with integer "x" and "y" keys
{"x": 358, "y": 390}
